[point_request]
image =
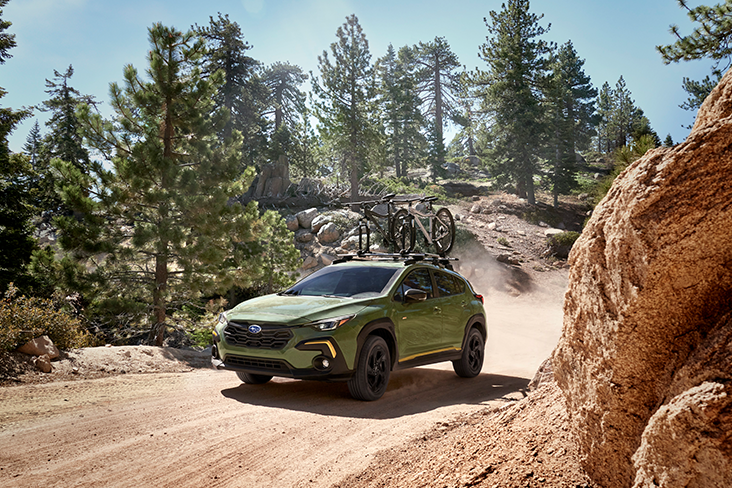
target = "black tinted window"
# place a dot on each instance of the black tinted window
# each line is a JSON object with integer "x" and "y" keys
{"x": 448, "y": 284}
{"x": 344, "y": 282}
{"x": 419, "y": 279}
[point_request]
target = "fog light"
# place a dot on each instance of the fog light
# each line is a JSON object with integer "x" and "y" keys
{"x": 321, "y": 363}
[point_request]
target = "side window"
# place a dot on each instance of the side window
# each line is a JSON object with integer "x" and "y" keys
{"x": 419, "y": 279}
{"x": 448, "y": 284}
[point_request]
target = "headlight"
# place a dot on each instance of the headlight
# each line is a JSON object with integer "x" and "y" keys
{"x": 331, "y": 324}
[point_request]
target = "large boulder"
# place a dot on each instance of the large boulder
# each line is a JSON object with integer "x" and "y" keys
{"x": 40, "y": 346}
{"x": 643, "y": 360}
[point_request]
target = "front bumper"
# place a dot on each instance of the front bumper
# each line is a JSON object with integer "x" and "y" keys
{"x": 327, "y": 361}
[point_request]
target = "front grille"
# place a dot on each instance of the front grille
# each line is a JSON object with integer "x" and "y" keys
{"x": 271, "y": 336}
{"x": 272, "y": 365}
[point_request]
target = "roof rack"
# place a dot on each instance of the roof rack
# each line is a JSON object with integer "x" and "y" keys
{"x": 408, "y": 258}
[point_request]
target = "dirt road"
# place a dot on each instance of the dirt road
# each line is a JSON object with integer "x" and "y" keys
{"x": 204, "y": 428}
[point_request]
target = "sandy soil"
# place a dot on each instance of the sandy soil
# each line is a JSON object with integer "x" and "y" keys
{"x": 137, "y": 416}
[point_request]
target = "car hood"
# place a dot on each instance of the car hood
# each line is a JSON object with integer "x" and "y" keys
{"x": 296, "y": 310}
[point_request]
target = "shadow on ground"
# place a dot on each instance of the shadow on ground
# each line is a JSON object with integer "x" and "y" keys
{"x": 410, "y": 392}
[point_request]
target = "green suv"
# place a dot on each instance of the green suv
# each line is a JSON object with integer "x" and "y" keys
{"x": 356, "y": 320}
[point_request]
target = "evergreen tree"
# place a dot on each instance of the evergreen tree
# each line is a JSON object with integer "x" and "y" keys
{"x": 438, "y": 84}
{"x": 242, "y": 93}
{"x": 7, "y": 41}
{"x": 517, "y": 64}
{"x": 345, "y": 95}
{"x": 159, "y": 205}
{"x": 604, "y": 112}
{"x": 711, "y": 39}
{"x": 669, "y": 141}
{"x": 287, "y": 101}
{"x": 63, "y": 140}
{"x": 33, "y": 144}
{"x": 570, "y": 114}
{"x": 402, "y": 119}
{"x": 16, "y": 209}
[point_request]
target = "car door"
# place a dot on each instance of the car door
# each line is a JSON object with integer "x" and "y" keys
{"x": 454, "y": 308}
{"x": 418, "y": 324}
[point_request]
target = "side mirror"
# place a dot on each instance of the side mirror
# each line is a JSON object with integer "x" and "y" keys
{"x": 414, "y": 295}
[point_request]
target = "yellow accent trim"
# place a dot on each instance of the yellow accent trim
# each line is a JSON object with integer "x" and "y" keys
{"x": 330, "y": 346}
{"x": 426, "y": 353}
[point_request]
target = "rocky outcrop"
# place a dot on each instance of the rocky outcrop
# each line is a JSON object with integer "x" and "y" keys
{"x": 40, "y": 346}
{"x": 644, "y": 358}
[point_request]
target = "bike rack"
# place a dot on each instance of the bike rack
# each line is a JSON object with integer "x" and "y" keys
{"x": 408, "y": 258}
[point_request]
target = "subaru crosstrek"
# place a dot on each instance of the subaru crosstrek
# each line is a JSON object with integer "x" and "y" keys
{"x": 356, "y": 321}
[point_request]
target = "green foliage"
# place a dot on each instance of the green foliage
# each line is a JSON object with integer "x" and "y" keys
{"x": 711, "y": 39}
{"x": 570, "y": 112}
{"x": 517, "y": 63}
{"x": 503, "y": 241}
{"x": 623, "y": 158}
{"x": 345, "y": 95}
{"x": 154, "y": 222}
{"x": 560, "y": 244}
{"x": 242, "y": 92}
{"x": 400, "y": 114}
{"x": 64, "y": 141}
{"x": 7, "y": 41}
{"x": 24, "y": 318}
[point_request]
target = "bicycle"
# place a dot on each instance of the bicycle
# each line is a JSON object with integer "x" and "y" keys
{"x": 370, "y": 215}
{"x": 407, "y": 219}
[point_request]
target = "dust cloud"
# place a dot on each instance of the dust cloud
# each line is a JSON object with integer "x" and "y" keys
{"x": 524, "y": 308}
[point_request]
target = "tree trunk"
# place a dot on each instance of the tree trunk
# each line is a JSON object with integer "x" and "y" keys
{"x": 157, "y": 332}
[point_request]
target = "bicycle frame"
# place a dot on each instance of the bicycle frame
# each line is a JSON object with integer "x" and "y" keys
{"x": 371, "y": 216}
{"x": 419, "y": 215}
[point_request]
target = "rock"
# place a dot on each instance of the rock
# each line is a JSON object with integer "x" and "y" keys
{"x": 552, "y": 232}
{"x": 491, "y": 226}
{"x": 643, "y": 359}
{"x": 304, "y": 236}
{"x": 305, "y": 218}
{"x": 328, "y": 233}
{"x": 310, "y": 262}
{"x": 318, "y": 222}
{"x": 40, "y": 346}
{"x": 350, "y": 243}
{"x": 327, "y": 259}
{"x": 43, "y": 363}
{"x": 508, "y": 259}
{"x": 292, "y": 223}
{"x": 476, "y": 208}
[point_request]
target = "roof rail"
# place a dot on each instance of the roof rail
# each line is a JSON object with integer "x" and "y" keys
{"x": 408, "y": 258}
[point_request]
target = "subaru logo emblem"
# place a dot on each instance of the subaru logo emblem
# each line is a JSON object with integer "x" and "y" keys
{"x": 255, "y": 329}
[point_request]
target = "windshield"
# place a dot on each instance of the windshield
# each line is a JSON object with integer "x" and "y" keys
{"x": 350, "y": 282}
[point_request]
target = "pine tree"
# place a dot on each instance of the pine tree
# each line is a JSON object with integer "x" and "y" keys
{"x": 712, "y": 39}
{"x": 63, "y": 141}
{"x": 16, "y": 209}
{"x": 33, "y": 144}
{"x": 604, "y": 111}
{"x": 160, "y": 204}
{"x": 400, "y": 104}
{"x": 287, "y": 101}
{"x": 242, "y": 92}
{"x": 345, "y": 95}
{"x": 517, "y": 64}
{"x": 570, "y": 114}
{"x": 438, "y": 84}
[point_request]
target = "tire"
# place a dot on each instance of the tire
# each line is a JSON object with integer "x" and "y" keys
{"x": 443, "y": 231}
{"x": 372, "y": 372}
{"x": 253, "y": 379}
{"x": 402, "y": 231}
{"x": 470, "y": 364}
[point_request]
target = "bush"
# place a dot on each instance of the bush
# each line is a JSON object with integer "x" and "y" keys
{"x": 25, "y": 318}
{"x": 560, "y": 244}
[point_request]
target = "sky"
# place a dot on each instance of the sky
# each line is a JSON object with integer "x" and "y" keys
{"x": 100, "y": 37}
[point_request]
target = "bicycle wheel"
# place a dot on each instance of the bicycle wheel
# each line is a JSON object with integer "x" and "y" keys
{"x": 402, "y": 231}
{"x": 443, "y": 231}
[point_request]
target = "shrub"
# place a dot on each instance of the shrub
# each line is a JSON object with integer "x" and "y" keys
{"x": 25, "y": 318}
{"x": 560, "y": 244}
